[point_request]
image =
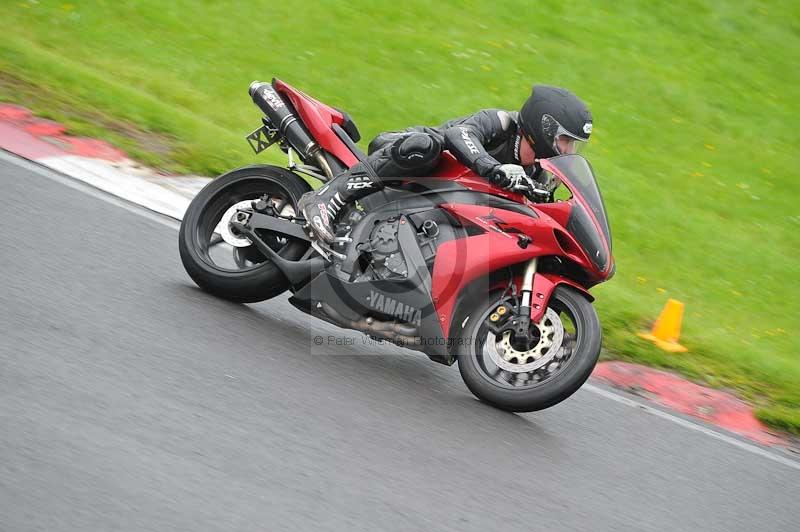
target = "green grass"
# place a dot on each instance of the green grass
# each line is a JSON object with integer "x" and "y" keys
{"x": 695, "y": 143}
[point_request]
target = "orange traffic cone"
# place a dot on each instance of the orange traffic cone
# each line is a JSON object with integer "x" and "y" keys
{"x": 667, "y": 329}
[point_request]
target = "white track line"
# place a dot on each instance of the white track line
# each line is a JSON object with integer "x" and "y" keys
{"x": 608, "y": 394}
{"x": 77, "y": 184}
{"x": 703, "y": 429}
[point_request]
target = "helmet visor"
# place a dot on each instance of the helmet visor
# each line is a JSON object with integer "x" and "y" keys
{"x": 567, "y": 145}
{"x": 564, "y": 141}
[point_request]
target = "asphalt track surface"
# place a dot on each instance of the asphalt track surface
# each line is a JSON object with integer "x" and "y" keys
{"x": 131, "y": 400}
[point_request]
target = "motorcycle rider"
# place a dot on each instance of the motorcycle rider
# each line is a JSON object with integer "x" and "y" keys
{"x": 496, "y": 144}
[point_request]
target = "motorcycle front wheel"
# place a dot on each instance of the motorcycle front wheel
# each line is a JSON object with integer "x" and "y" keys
{"x": 229, "y": 265}
{"x": 548, "y": 368}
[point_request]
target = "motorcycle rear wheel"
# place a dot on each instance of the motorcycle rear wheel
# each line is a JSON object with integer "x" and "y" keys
{"x": 564, "y": 372}
{"x": 239, "y": 273}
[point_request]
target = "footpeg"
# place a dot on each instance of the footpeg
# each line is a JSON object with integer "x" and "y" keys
{"x": 325, "y": 251}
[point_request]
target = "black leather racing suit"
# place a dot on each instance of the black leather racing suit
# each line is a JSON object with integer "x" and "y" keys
{"x": 481, "y": 141}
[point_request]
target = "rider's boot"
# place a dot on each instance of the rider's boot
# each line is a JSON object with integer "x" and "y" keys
{"x": 321, "y": 208}
{"x": 399, "y": 154}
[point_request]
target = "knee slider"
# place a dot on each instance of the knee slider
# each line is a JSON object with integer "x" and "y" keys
{"x": 417, "y": 150}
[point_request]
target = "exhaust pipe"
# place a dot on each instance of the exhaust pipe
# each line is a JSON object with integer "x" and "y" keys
{"x": 399, "y": 333}
{"x": 283, "y": 118}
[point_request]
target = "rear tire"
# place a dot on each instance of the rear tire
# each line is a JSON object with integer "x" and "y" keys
{"x": 477, "y": 370}
{"x": 261, "y": 280}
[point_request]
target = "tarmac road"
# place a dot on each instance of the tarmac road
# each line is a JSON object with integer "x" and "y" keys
{"x": 130, "y": 400}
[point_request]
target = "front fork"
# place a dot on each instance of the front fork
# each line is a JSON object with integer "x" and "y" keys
{"x": 522, "y": 321}
{"x": 527, "y": 287}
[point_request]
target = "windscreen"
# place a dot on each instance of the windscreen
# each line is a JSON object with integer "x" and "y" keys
{"x": 579, "y": 173}
{"x": 579, "y": 178}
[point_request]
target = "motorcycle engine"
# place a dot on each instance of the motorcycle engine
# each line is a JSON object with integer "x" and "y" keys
{"x": 387, "y": 260}
{"x": 382, "y": 254}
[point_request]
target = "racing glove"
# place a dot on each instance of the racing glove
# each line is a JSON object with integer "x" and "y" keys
{"x": 513, "y": 177}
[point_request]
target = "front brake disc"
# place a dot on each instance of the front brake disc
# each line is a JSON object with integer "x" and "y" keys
{"x": 508, "y": 358}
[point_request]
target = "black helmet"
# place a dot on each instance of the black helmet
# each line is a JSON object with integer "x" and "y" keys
{"x": 553, "y": 112}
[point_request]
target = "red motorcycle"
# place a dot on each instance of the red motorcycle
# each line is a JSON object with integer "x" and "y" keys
{"x": 449, "y": 265}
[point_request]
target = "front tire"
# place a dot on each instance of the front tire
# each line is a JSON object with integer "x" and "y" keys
{"x": 568, "y": 367}
{"x": 239, "y": 273}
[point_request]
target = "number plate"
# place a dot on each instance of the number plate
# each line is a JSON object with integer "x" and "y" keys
{"x": 262, "y": 138}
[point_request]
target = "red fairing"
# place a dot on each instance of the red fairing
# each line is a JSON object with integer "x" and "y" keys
{"x": 557, "y": 211}
{"x": 547, "y": 234}
{"x": 458, "y": 262}
{"x": 318, "y": 117}
{"x": 492, "y": 218}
